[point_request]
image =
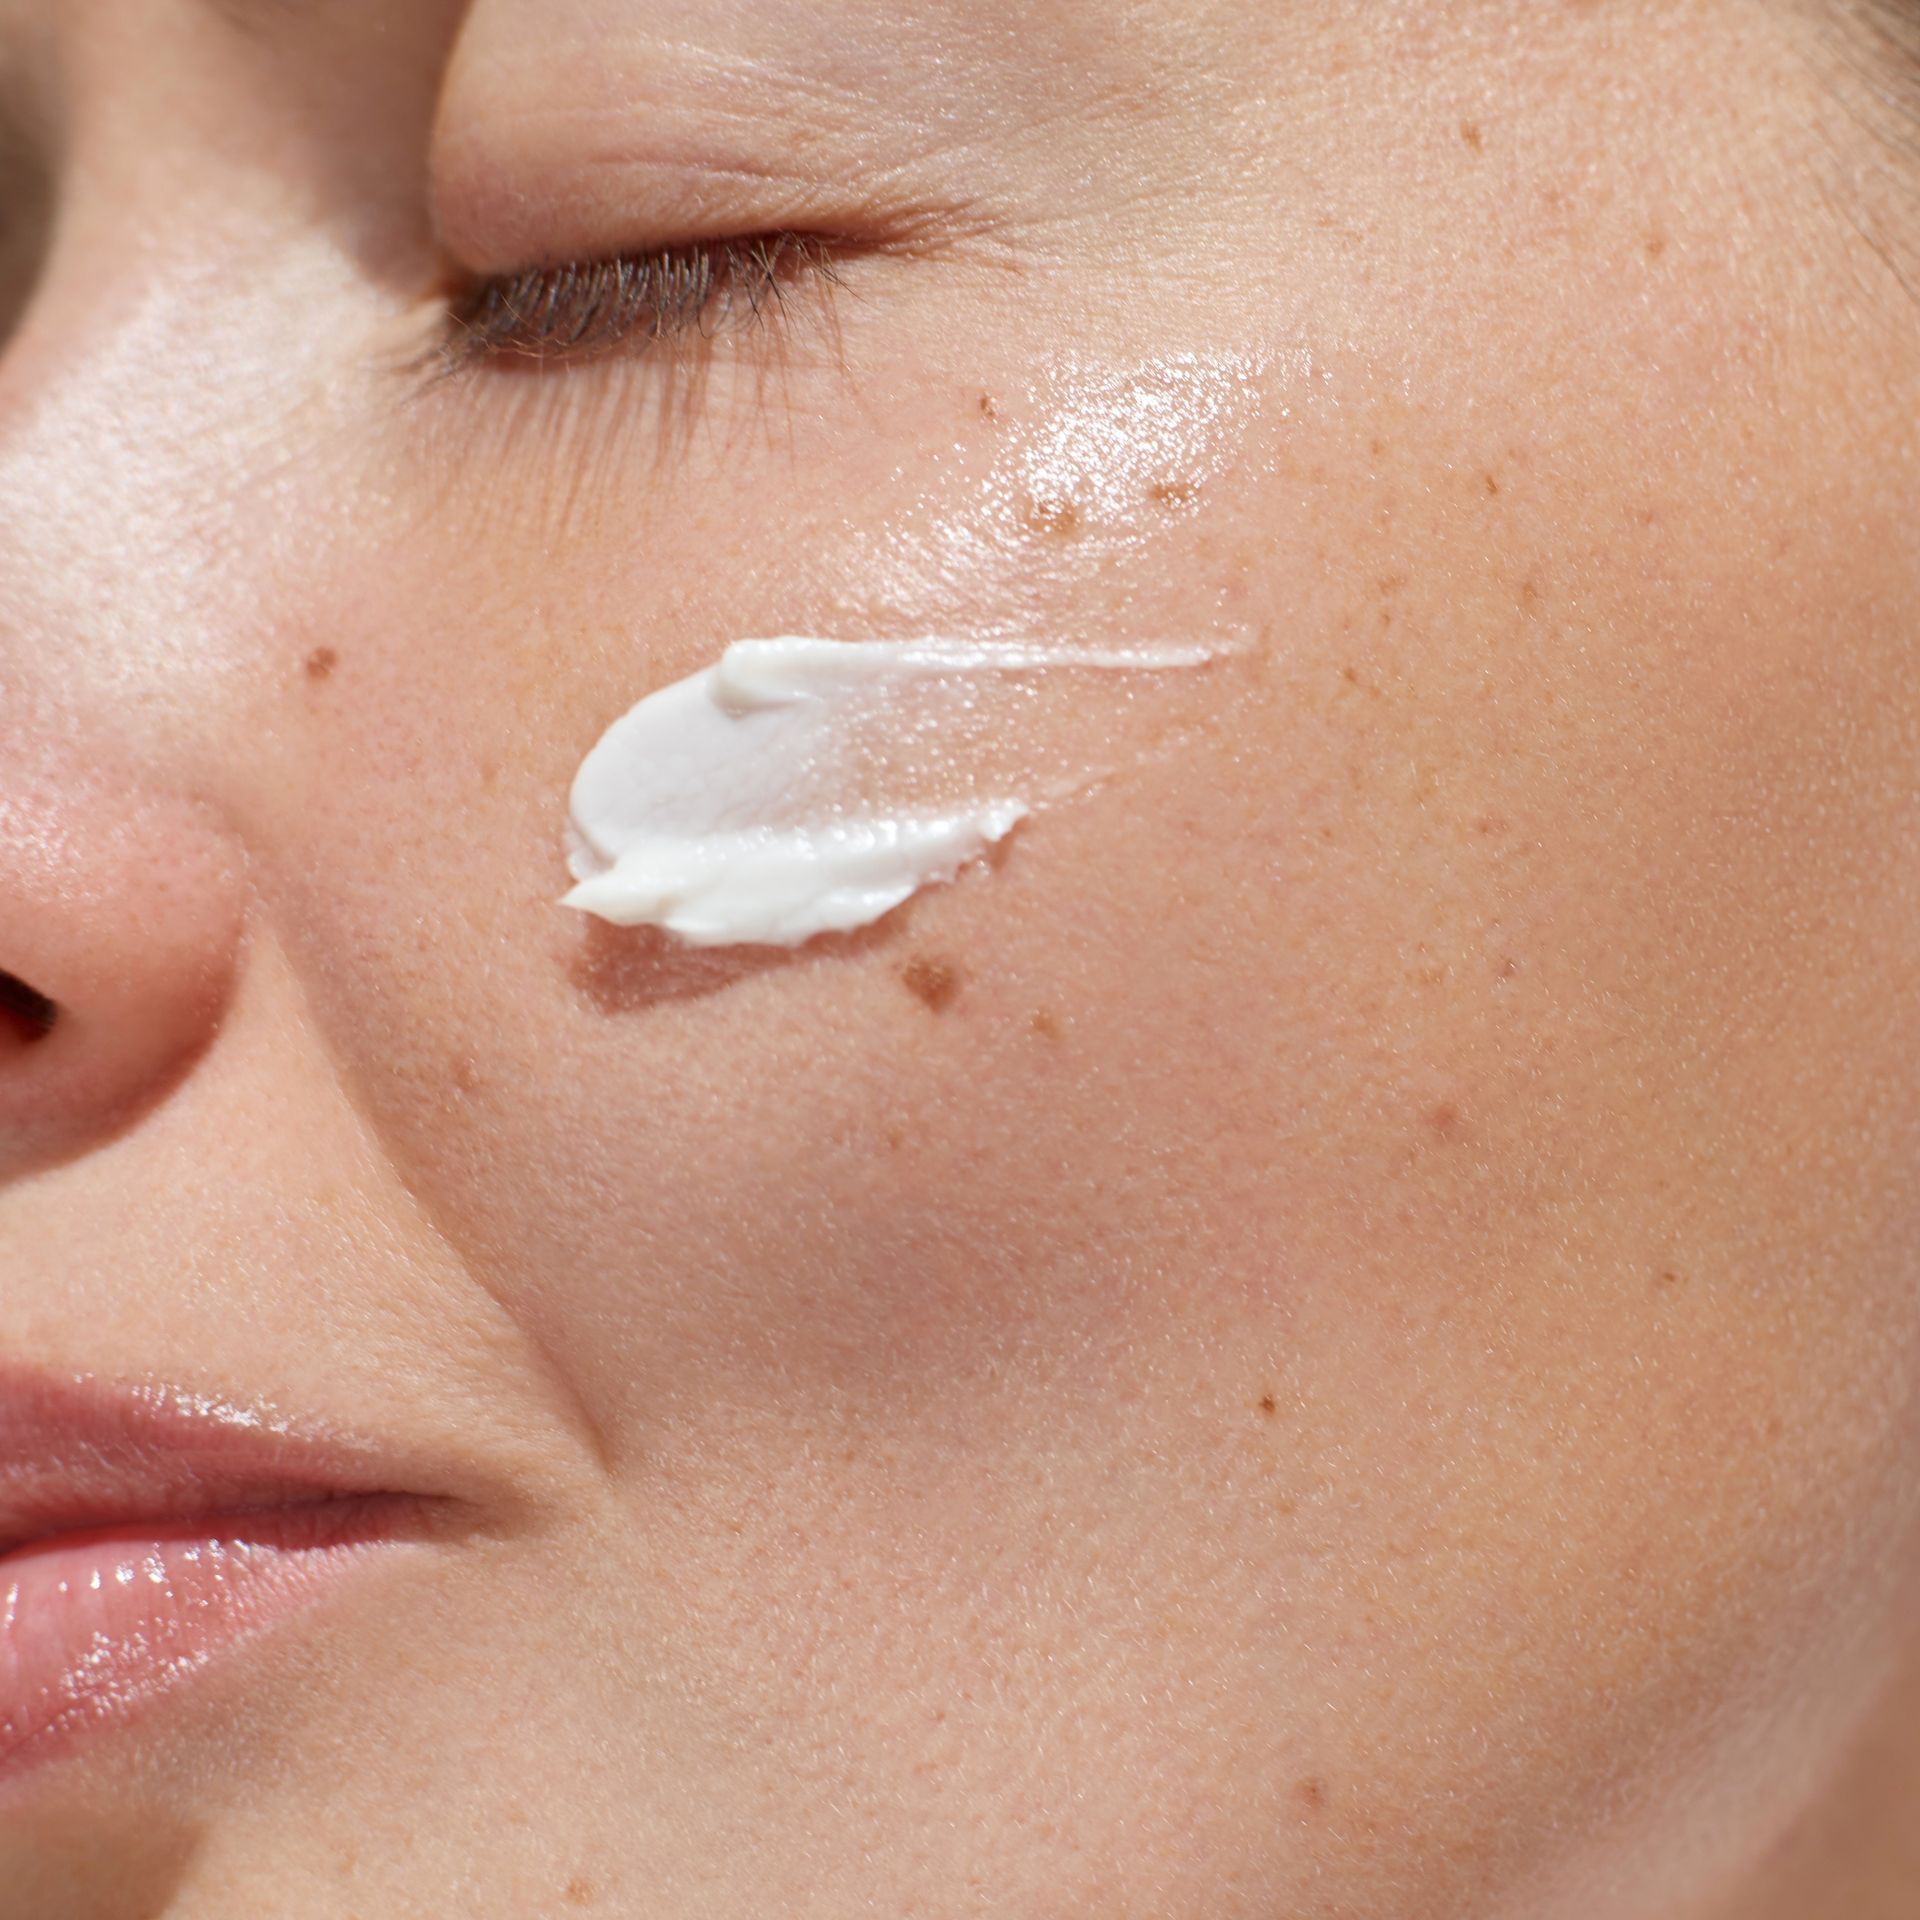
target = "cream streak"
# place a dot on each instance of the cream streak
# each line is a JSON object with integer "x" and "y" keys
{"x": 801, "y": 786}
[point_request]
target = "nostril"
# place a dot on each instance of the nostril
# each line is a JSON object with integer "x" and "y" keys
{"x": 25, "y": 1016}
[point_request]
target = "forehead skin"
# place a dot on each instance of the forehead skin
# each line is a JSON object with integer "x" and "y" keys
{"x": 1335, "y": 1333}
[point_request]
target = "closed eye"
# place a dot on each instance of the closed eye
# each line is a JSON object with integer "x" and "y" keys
{"x": 583, "y": 308}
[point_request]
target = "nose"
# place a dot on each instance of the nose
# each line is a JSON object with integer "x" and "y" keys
{"x": 121, "y": 918}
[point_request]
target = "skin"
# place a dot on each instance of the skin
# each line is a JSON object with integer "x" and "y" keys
{"x": 1334, "y": 1333}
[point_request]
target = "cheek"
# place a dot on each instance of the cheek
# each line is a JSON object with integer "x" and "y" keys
{"x": 749, "y": 1150}
{"x": 1584, "y": 1003}
{"x": 1488, "y": 932}
{"x": 1451, "y": 1117}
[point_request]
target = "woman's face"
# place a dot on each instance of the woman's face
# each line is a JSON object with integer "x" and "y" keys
{"x": 1334, "y": 1332}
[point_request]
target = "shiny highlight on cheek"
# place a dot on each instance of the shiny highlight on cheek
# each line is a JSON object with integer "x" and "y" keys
{"x": 1080, "y": 490}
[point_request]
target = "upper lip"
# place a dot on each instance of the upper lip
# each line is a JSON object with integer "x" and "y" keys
{"x": 78, "y": 1454}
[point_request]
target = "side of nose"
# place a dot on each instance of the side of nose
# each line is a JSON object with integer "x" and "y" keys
{"x": 122, "y": 913}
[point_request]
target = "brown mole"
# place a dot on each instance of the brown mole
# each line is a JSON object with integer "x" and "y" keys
{"x": 1059, "y": 518}
{"x": 320, "y": 663}
{"x": 935, "y": 983}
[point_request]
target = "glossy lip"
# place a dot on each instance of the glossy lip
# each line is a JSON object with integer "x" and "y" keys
{"x": 145, "y": 1530}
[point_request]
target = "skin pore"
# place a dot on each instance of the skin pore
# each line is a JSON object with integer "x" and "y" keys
{"x": 1334, "y": 1332}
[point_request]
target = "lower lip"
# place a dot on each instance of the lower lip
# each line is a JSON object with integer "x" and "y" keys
{"x": 96, "y": 1626}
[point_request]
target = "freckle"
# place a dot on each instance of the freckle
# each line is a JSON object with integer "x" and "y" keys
{"x": 1492, "y": 485}
{"x": 1471, "y": 134}
{"x": 1656, "y": 244}
{"x": 1490, "y": 823}
{"x": 1312, "y": 1794}
{"x": 1529, "y": 594}
{"x": 1172, "y": 493}
{"x": 1058, "y": 518}
{"x": 1378, "y": 447}
{"x": 1267, "y": 1404}
{"x": 579, "y": 1893}
{"x": 1286, "y": 1507}
{"x": 1350, "y": 674}
{"x": 1444, "y": 1120}
{"x": 1668, "y": 1278}
{"x": 1045, "y": 1025}
{"x": 321, "y": 663}
{"x": 1508, "y": 967}
{"x": 934, "y": 983}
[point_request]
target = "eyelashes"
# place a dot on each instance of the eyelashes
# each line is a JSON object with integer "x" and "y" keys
{"x": 582, "y": 309}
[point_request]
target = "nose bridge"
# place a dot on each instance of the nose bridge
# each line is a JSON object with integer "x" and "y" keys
{"x": 197, "y": 356}
{"x": 140, "y": 426}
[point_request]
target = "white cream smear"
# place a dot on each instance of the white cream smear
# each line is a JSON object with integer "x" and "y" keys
{"x": 801, "y": 786}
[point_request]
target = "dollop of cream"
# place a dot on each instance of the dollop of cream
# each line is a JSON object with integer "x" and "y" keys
{"x": 801, "y": 786}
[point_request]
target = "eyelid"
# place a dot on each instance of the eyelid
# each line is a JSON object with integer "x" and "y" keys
{"x": 515, "y": 185}
{"x": 495, "y": 228}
